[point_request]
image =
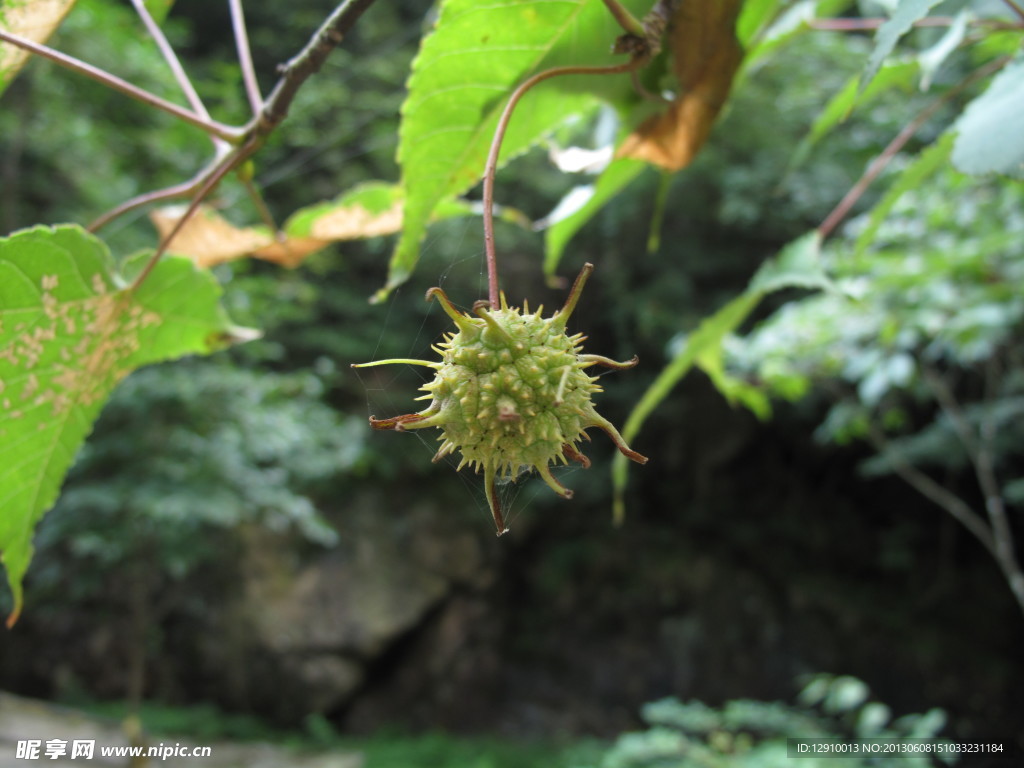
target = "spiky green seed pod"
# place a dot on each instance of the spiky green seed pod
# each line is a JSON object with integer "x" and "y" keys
{"x": 511, "y": 392}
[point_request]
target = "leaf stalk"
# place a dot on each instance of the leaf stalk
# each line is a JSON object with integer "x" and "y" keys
{"x": 491, "y": 166}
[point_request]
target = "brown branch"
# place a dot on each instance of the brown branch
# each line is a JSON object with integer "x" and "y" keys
{"x": 211, "y": 127}
{"x": 221, "y": 169}
{"x": 882, "y": 161}
{"x": 296, "y": 72}
{"x": 308, "y": 61}
{"x": 184, "y": 189}
{"x": 168, "y": 193}
{"x": 252, "y": 86}
{"x": 167, "y": 51}
{"x": 858, "y": 25}
{"x": 1015, "y": 8}
{"x": 932, "y": 491}
{"x": 980, "y": 452}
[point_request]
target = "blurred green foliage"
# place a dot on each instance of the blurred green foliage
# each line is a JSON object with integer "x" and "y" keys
{"x": 679, "y": 735}
{"x": 183, "y": 457}
{"x": 919, "y": 349}
{"x": 384, "y": 749}
{"x": 754, "y": 733}
{"x": 939, "y": 286}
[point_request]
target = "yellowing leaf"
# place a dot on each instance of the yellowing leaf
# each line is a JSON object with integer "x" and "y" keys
{"x": 705, "y": 59}
{"x": 367, "y": 210}
{"x": 290, "y": 251}
{"x": 355, "y": 222}
{"x": 70, "y": 330}
{"x": 208, "y": 239}
{"x": 372, "y": 209}
{"x": 34, "y": 19}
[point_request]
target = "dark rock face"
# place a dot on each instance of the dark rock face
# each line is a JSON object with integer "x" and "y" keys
{"x": 323, "y": 624}
{"x": 420, "y": 617}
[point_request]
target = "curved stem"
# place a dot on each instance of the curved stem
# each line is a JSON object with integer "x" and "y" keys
{"x": 167, "y": 193}
{"x": 491, "y": 167}
{"x": 112, "y": 81}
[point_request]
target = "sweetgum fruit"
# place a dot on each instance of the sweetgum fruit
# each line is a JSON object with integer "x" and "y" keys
{"x": 511, "y": 393}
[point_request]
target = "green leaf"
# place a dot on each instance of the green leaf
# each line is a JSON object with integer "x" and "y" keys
{"x": 932, "y": 59}
{"x": 755, "y": 16}
{"x": 464, "y": 73}
{"x": 69, "y": 332}
{"x": 158, "y": 9}
{"x": 797, "y": 266}
{"x": 927, "y": 164}
{"x": 32, "y": 19}
{"x": 894, "y": 74}
{"x": 591, "y": 199}
{"x": 989, "y": 136}
{"x": 734, "y": 389}
{"x": 374, "y": 206}
{"x": 908, "y": 12}
{"x": 793, "y": 21}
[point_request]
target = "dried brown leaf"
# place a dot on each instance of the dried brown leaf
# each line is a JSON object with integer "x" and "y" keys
{"x": 370, "y": 210}
{"x": 705, "y": 59}
{"x": 207, "y": 238}
{"x": 290, "y": 251}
